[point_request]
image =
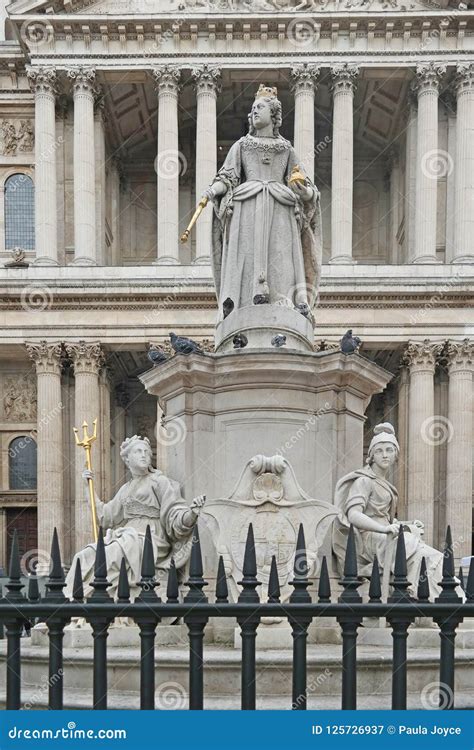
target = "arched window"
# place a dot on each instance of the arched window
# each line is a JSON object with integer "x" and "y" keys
{"x": 19, "y": 212}
{"x": 22, "y": 463}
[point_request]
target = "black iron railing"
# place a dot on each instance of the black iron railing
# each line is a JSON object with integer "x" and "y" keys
{"x": 99, "y": 609}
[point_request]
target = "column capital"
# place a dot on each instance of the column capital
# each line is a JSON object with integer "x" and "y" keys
{"x": 304, "y": 77}
{"x": 464, "y": 78}
{"x": 460, "y": 356}
{"x": 427, "y": 78}
{"x": 86, "y": 357}
{"x": 167, "y": 79}
{"x": 84, "y": 80}
{"x": 207, "y": 79}
{"x": 344, "y": 78}
{"x": 42, "y": 80}
{"x": 46, "y": 355}
{"x": 422, "y": 355}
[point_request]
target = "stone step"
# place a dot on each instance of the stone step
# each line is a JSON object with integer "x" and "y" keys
{"x": 222, "y": 672}
{"x": 82, "y": 700}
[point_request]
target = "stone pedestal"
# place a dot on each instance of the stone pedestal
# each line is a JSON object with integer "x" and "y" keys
{"x": 223, "y": 409}
{"x": 260, "y": 323}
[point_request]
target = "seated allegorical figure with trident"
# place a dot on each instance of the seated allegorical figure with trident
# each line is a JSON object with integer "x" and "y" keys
{"x": 148, "y": 498}
{"x": 368, "y": 501}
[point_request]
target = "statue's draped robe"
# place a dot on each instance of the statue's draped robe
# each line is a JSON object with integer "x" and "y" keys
{"x": 377, "y": 498}
{"x": 265, "y": 239}
{"x": 152, "y": 499}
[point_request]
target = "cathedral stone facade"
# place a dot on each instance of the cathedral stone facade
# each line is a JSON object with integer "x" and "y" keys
{"x": 114, "y": 118}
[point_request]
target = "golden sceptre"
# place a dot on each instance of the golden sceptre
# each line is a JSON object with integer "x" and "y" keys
{"x": 86, "y": 443}
{"x": 200, "y": 207}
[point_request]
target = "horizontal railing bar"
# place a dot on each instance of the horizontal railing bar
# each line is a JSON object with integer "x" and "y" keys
{"x": 162, "y": 609}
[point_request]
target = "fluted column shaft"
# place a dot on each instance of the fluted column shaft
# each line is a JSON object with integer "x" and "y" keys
{"x": 421, "y": 360}
{"x": 43, "y": 83}
{"x": 304, "y": 78}
{"x": 85, "y": 239}
{"x": 47, "y": 359}
{"x": 87, "y": 360}
{"x": 410, "y": 175}
{"x": 426, "y": 85}
{"x": 459, "y": 446}
{"x": 207, "y": 85}
{"x": 168, "y": 165}
{"x": 344, "y": 77}
{"x": 464, "y": 166}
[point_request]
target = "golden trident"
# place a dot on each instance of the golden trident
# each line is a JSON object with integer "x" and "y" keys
{"x": 86, "y": 443}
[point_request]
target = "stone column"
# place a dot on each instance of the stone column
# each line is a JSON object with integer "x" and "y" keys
{"x": 395, "y": 205}
{"x": 410, "y": 174}
{"x": 304, "y": 78}
{"x": 43, "y": 83}
{"x": 464, "y": 166}
{"x": 47, "y": 359}
{"x": 87, "y": 359}
{"x": 403, "y": 422}
{"x": 429, "y": 162}
{"x": 207, "y": 80}
{"x": 122, "y": 401}
{"x": 168, "y": 165}
{"x": 422, "y": 433}
{"x": 459, "y": 436}
{"x": 104, "y": 421}
{"x": 344, "y": 77}
{"x": 85, "y": 239}
{"x": 449, "y": 101}
{"x": 100, "y": 179}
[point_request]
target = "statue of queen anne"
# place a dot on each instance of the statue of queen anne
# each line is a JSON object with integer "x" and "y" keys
{"x": 148, "y": 498}
{"x": 266, "y": 239}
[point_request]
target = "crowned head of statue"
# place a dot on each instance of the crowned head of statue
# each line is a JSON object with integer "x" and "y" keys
{"x": 265, "y": 116}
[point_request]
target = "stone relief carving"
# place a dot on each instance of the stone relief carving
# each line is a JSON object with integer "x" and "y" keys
{"x": 19, "y": 398}
{"x": 300, "y": 5}
{"x": 268, "y": 496}
{"x": 270, "y": 6}
{"x": 16, "y": 137}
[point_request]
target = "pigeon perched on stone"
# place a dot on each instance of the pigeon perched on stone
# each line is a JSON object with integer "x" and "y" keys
{"x": 349, "y": 343}
{"x": 156, "y": 355}
{"x": 279, "y": 340}
{"x": 227, "y": 306}
{"x": 183, "y": 345}
{"x": 240, "y": 341}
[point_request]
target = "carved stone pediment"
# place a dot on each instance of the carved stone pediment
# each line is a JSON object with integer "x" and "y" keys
{"x": 268, "y": 496}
